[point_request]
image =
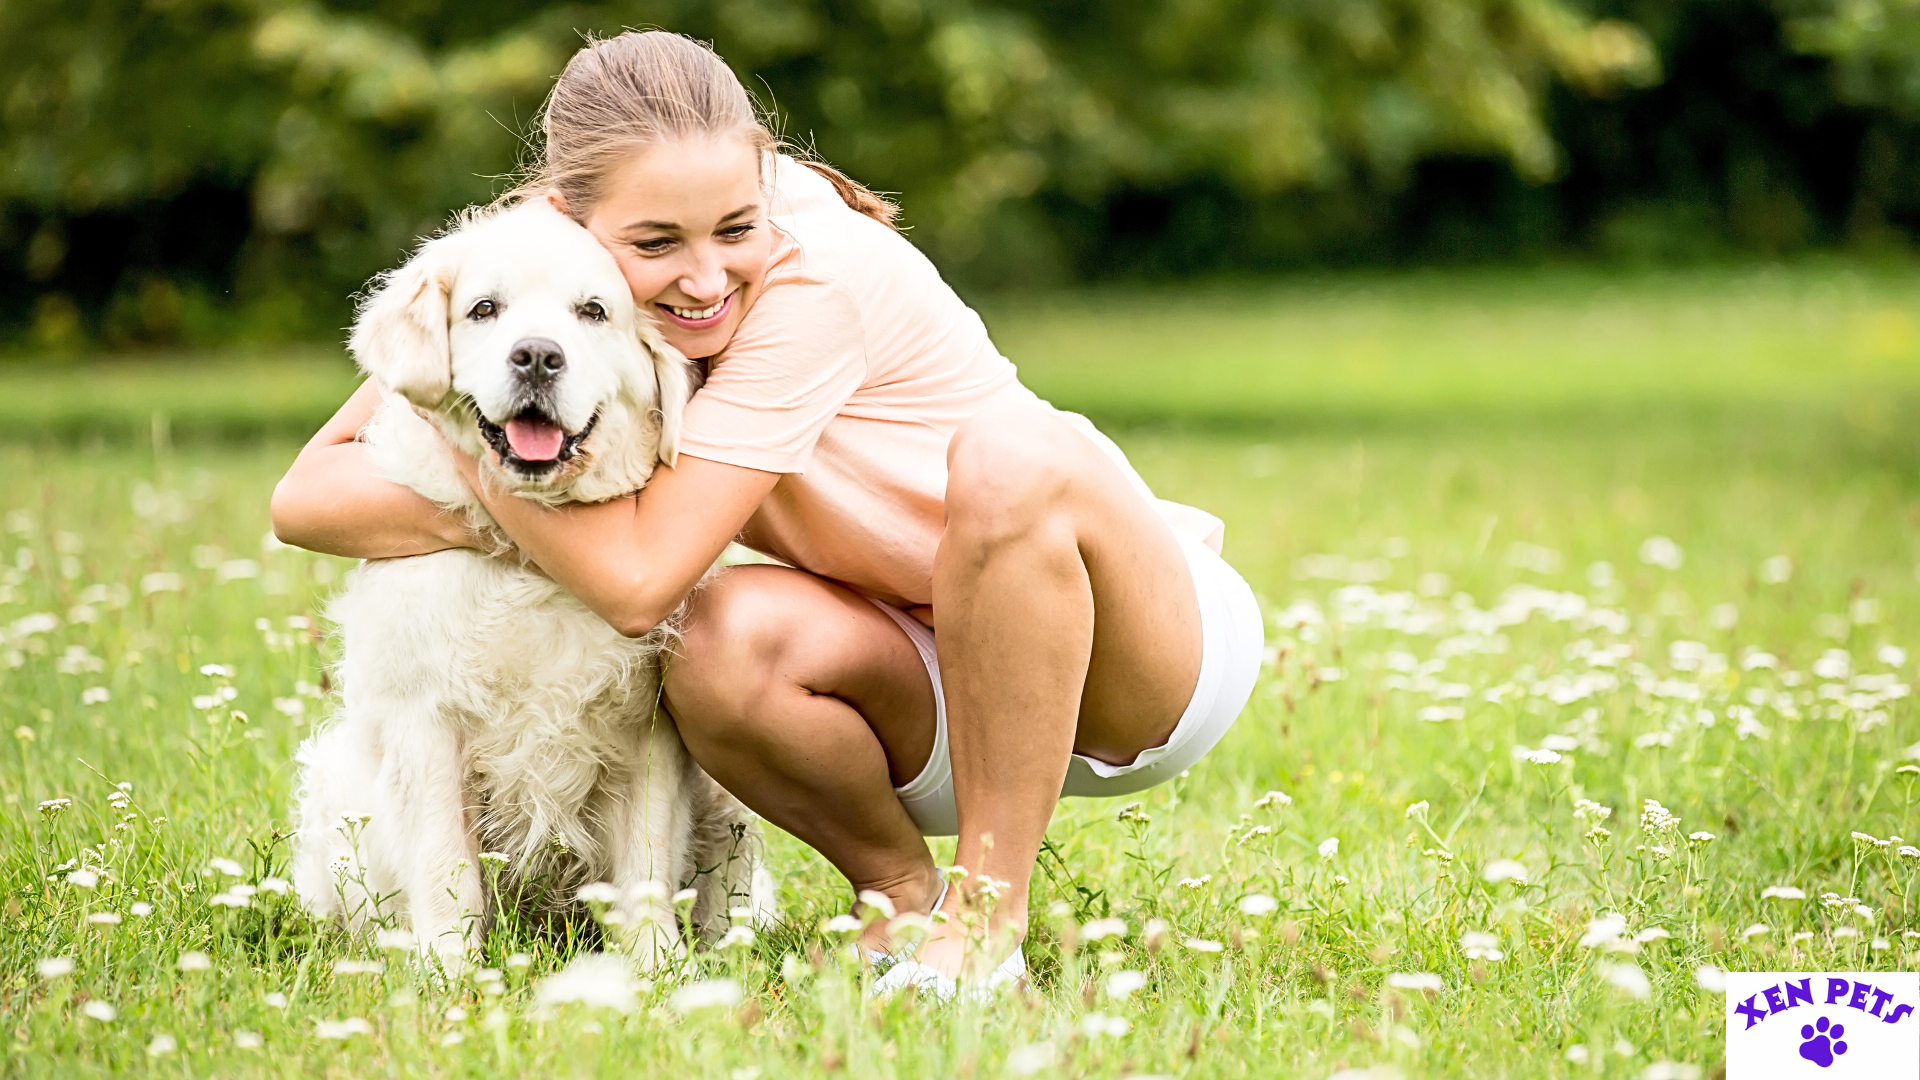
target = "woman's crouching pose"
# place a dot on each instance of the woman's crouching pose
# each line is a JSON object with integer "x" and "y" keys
{"x": 976, "y": 604}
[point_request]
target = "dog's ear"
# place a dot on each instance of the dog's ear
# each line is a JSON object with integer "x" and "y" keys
{"x": 400, "y": 337}
{"x": 674, "y": 377}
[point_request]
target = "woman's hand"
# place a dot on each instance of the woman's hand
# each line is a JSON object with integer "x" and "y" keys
{"x": 334, "y": 500}
{"x": 634, "y": 559}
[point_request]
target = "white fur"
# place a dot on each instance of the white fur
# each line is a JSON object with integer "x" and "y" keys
{"x": 483, "y": 707}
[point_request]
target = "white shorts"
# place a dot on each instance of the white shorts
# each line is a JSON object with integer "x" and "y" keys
{"x": 1232, "y": 639}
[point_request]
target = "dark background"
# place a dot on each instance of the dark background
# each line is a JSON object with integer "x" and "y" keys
{"x": 180, "y": 172}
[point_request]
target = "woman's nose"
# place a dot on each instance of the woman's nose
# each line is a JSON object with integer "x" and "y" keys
{"x": 705, "y": 280}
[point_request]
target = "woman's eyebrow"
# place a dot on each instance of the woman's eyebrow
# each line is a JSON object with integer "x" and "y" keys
{"x": 668, "y": 226}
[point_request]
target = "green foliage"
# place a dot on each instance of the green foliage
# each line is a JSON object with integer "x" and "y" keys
{"x": 346, "y": 130}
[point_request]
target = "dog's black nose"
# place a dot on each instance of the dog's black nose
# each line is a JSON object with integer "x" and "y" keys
{"x": 537, "y": 357}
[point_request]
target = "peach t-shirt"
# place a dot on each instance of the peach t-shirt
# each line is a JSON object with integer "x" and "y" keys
{"x": 849, "y": 375}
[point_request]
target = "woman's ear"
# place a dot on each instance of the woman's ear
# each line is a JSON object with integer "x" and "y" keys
{"x": 400, "y": 336}
{"x": 674, "y": 377}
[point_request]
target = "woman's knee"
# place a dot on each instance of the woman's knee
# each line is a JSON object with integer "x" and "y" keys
{"x": 728, "y": 657}
{"x": 1013, "y": 473}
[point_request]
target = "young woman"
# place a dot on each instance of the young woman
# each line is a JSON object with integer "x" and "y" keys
{"x": 982, "y": 607}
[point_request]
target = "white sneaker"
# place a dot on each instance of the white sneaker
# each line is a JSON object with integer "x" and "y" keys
{"x": 887, "y": 960}
{"x": 934, "y": 984}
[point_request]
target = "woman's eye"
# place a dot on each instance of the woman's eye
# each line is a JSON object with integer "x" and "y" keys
{"x": 653, "y": 247}
{"x": 483, "y": 309}
{"x": 738, "y": 232}
{"x": 593, "y": 312}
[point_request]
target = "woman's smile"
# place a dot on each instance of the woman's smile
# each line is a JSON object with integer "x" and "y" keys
{"x": 699, "y": 318}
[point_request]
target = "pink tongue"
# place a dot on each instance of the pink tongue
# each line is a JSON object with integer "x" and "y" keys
{"x": 534, "y": 441}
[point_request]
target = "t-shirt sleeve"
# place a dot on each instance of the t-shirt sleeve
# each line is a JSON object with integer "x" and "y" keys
{"x": 797, "y": 359}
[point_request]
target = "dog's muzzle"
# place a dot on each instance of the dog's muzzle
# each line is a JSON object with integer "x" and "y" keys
{"x": 530, "y": 421}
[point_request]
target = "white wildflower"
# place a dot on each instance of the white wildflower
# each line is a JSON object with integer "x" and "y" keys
{"x": 1099, "y": 929}
{"x": 1417, "y": 810}
{"x": 100, "y": 1010}
{"x": 1195, "y": 882}
{"x": 1662, "y": 552}
{"x": 1122, "y": 984}
{"x": 1416, "y": 980}
{"x": 1776, "y": 570}
{"x": 162, "y": 1044}
{"x": 1603, "y": 931}
{"x": 598, "y": 892}
{"x": 398, "y": 938}
{"x": 54, "y": 967}
{"x": 194, "y": 961}
{"x": 226, "y": 866}
{"x": 1478, "y": 945}
{"x": 1587, "y": 808}
{"x": 248, "y": 1040}
{"x": 1627, "y": 978}
{"x": 736, "y": 937}
{"x": 1329, "y": 847}
{"x": 1655, "y": 818}
{"x": 1711, "y": 979}
{"x": 1273, "y": 800}
{"x": 1258, "y": 904}
{"x": 104, "y": 918}
{"x": 83, "y": 878}
{"x": 1029, "y": 1059}
{"x": 1834, "y": 664}
{"x": 1094, "y": 1025}
{"x": 341, "y": 1029}
{"x": 358, "y": 967}
{"x": 878, "y": 901}
{"x": 1203, "y": 945}
{"x": 707, "y": 994}
{"x": 597, "y": 980}
{"x": 842, "y": 924}
{"x": 1501, "y": 870}
{"x": 1782, "y": 892}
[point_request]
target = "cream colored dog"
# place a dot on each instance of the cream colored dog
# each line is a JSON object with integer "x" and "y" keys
{"x": 485, "y": 711}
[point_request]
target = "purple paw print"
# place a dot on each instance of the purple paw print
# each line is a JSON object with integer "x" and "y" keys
{"x": 1823, "y": 1042}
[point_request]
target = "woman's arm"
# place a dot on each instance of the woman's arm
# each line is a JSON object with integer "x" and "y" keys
{"x": 334, "y": 500}
{"x": 633, "y": 560}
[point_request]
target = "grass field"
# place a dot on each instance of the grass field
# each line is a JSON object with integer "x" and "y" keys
{"x": 1530, "y": 546}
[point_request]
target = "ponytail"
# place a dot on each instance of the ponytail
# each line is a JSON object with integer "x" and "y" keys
{"x": 856, "y": 195}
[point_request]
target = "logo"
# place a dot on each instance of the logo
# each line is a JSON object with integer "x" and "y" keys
{"x": 1795, "y": 1025}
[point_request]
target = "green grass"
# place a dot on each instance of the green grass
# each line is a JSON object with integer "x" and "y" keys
{"x": 1554, "y": 423}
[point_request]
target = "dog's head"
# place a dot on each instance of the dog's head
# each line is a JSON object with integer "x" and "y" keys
{"x": 515, "y": 331}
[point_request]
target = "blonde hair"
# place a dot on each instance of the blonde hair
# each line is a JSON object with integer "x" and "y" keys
{"x": 620, "y": 95}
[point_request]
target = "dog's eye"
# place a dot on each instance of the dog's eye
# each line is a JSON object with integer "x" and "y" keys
{"x": 593, "y": 312}
{"x": 483, "y": 309}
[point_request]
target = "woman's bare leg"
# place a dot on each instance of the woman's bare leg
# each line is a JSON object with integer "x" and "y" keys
{"x": 1044, "y": 533}
{"x": 808, "y": 704}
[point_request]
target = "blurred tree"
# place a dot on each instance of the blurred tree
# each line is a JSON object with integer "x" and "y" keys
{"x": 170, "y": 166}
{"x": 188, "y": 169}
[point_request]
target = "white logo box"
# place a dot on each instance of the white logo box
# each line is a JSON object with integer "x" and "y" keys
{"x": 1823, "y": 1025}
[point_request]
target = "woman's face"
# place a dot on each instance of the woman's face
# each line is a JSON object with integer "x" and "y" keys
{"x": 687, "y": 223}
